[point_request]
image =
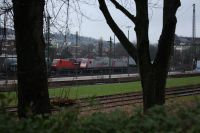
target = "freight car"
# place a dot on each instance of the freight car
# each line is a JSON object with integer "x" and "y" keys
{"x": 103, "y": 65}
{"x": 85, "y": 66}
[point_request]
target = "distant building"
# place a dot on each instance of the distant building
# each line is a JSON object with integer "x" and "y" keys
{"x": 179, "y": 40}
{"x": 184, "y": 43}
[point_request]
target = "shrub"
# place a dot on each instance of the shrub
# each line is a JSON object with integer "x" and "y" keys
{"x": 157, "y": 119}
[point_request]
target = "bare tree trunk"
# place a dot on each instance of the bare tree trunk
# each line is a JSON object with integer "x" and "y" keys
{"x": 153, "y": 75}
{"x": 153, "y": 84}
{"x": 33, "y": 94}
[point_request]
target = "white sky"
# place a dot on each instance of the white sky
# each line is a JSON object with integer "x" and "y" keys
{"x": 98, "y": 28}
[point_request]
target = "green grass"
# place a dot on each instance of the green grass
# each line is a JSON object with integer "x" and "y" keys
{"x": 175, "y": 82}
{"x": 108, "y": 89}
{"x": 95, "y": 90}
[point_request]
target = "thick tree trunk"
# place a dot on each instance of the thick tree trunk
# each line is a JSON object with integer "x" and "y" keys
{"x": 32, "y": 74}
{"x": 153, "y": 84}
{"x": 153, "y": 75}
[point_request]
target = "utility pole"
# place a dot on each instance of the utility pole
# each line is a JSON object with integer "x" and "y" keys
{"x": 195, "y": 48}
{"x": 3, "y": 33}
{"x": 76, "y": 52}
{"x": 110, "y": 55}
{"x": 100, "y": 47}
{"x": 67, "y": 27}
{"x": 48, "y": 41}
{"x": 5, "y": 41}
{"x": 65, "y": 41}
{"x": 194, "y": 25}
{"x": 128, "y": 27}
{"x": 5, "y": 21}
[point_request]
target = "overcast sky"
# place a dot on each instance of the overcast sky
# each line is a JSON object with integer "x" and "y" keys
{"x": 98, "y": 28}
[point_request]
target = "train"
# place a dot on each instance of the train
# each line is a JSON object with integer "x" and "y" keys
{"x": 8, "y": 64}
{"x": 98, "y": 65}
{"x": 82, "y": 66}
{"x": 71, "y": 66}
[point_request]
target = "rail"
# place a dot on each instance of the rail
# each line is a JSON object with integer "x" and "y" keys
{"x": 118, "y": 100}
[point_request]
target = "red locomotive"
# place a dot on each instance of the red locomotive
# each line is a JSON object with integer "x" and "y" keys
{"x": 59, "y": 65}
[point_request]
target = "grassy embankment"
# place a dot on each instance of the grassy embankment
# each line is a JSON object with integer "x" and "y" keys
{"x": 108, "y": 89}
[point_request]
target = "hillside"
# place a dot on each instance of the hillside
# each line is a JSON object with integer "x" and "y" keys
{"x": 59, "y": 38}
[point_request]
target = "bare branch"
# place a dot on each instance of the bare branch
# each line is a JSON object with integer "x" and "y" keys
{"x": 118, "y": 32}
{"x": 122, "y": 9}
{"x": 6, "y": 9}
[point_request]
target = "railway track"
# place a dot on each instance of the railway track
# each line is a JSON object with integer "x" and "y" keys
{"x": 105, "y": 102}
{"x": 119, "y": 100}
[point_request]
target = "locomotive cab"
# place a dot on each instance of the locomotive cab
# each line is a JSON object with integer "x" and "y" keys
{"x": 64, "y": 65}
